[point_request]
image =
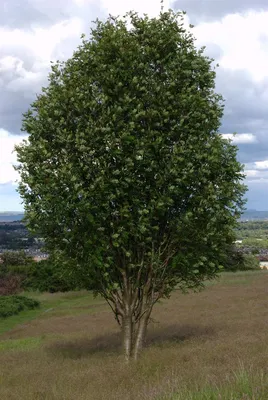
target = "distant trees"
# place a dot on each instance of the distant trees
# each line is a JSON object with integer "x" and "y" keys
{"x": 124, "y": 172}
{"x": 254, "y": 236}
{"x": 252, "y": 229}
{"x": 51, "y": 275}
{"x": 10, "y": 279}
{"x": 18, "y": 272}
{"x": 14, "y": 236}
{"x": 10, "y": 284}
{"x": 256, "y": 243}
{"x": 236, "y": 260}
{"x": 15, "y": 258}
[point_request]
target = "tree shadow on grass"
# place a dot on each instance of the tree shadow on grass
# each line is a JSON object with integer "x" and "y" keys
{"x": 111, "y": 343}
{"x": 84, "y": 347}
{"x": 178, "y": 333}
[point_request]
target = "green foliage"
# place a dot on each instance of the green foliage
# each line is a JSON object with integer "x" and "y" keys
{"x": 252, "y": 230}
{"x": 19, "y": 271}
{"x": 250, "y": 262}
{"x": 256, "y": 243}
{"x": 123, "y": 151}
{"x": 13, "y": 269}
{"x": 11, "y": 276}
{"x": 10, "y": 284}
{"x": 236, "y": 260}
{"x": 48, "y": 276}
{"x": 124, "y": 172}
{"x": 11, "y": 305}
{"x": 254, "y": 235}
{"x": 15, "y": 258}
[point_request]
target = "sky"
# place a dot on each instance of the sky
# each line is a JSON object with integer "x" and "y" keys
{"x": 235, "y": 33}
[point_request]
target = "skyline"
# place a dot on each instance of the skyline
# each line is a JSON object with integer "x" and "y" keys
{"x": 235, "y": 34}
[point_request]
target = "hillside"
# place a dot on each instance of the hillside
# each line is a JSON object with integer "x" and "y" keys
{"x": 11, "y": 216}
{"x": 250, "y": 215}
{"x": 209, "y": 345}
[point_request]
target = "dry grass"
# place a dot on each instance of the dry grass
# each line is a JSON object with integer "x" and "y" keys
{"x": 196, "y": 345}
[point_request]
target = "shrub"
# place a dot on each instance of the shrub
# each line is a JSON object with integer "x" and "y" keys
{"x": 48, "y": 276}
{"x": 12, "y": 305}
{"x": 236, "y": 260}
{"x": 250, "y": 262}
{"x": 13, "y": 271}
{"x": 10, "y": 284}
{"x": 15, "y": 258}
{"x": 45, "y": 276}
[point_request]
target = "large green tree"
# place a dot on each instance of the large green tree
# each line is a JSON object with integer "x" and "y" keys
{"x": 124, "y": 172}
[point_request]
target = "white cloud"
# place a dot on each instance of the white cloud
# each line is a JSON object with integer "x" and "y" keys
{"x": 240, "y": 137}
{"x": 45, "y": 43}
{"x": 40, "y": 41}
{"x": 258, "y": 166}
{"x": 17, "y": 77}
{"x": 240, "y": 38}
{"x": 8, "y": 157}
{"x": 257, "y": 172}
{"x": 120, "y": 7}
{"x": 251, "y": 173}
{"x": 80, "y": 3}
{"x": 261, "y": 164}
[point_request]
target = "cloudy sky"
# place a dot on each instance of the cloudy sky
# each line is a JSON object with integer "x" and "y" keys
{"x": 235, "y": 32}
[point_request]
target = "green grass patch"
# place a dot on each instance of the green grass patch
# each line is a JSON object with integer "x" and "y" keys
{"x": 56, "y": 304}
{"x": 6, "y": 324}
{"x": 240, "y": 385}
{"x": 20, "y": 344}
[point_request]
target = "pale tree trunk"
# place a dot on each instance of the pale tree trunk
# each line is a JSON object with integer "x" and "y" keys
{"x": 135, "y": 311}
{"x": 134, "y": 343}
{"x": 141, "y": 334}
{"x": 127, "y": 337}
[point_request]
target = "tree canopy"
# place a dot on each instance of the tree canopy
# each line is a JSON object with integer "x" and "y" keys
{"x": 124, "y": 171}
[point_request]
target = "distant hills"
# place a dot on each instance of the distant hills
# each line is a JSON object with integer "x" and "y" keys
{"x": 249, "y": 215}
{"x": 11, "y": 216}
{"x": 254, "y": 215}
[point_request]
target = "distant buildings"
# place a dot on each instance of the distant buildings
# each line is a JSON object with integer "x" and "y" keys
{"x": 40, "y": 257}
{"x": 264, "y": 264}
{"x": 35, "y": 254}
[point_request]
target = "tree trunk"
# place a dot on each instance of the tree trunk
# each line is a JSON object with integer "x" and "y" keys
{"x": 141, "y": 335}
{"x": 127, "y": 337}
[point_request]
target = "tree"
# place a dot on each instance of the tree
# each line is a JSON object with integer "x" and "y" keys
{"x": 15, "y": 258}
{"x": 124, "y": 172}
{"x": 10, "y": 277}
{"x": 236, "y": 260}
{"x": 52, "y": 276}
{"x": 250, "y": 262}
{"x": 10, "y": 284}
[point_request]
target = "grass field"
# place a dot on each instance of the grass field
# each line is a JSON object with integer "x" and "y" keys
{"x": 211, "y": 345}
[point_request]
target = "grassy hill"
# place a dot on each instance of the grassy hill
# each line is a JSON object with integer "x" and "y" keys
{"x": 208, "y": 345}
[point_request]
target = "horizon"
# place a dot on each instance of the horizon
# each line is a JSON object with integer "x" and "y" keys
{"x": 22, "y": 211}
